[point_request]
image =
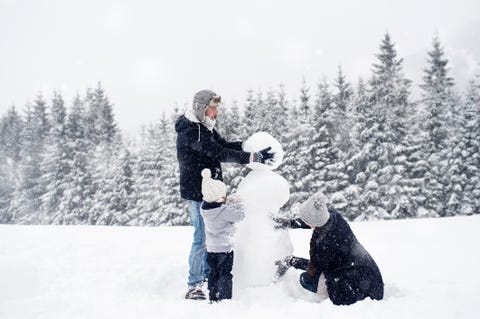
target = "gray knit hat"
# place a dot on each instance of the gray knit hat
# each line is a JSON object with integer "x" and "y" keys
{"x": 314, "y": 210}
{"x": 201, "y": 101}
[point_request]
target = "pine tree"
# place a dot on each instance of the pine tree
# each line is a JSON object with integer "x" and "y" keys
{"x": 384, "y": 142}
{"x": 464, "y": 165}
{"x": 437, "y": 89}
{"x": 297, "y": 162}
{"x": 342, "y": 99}
{"x": 56, "y": 161}
{"x": 117, "y": 200}
{"x": 270, "y": 114}
{"x": 11, "y": 126}
{"x": 327, "y": 136}
{"x": 148, "y": 179}
{"x": 232, "y": 130}
{"x": 27, "y": 200}
{"x": 230, "y": 120}
{"x": 250, "y": 121}
{"x": 101, "y": 125}
{"x": 344, "y": 91}
{"x": 78, "y": 192}
{"x": 359, "y": 120}
{"x": 472, "y": 136}
{"x": 172, "y": 211}
{"x": 282, "y": 129}
{"x": 304, "y": 106}
{"x": 296, "y": 165}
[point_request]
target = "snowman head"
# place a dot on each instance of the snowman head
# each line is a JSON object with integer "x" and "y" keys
{"x": 260, "y": 141}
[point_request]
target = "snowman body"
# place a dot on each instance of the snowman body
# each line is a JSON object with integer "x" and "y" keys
{"x": 257, "y": 243}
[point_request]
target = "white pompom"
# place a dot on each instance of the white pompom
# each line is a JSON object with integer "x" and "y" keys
{"x": 206, "y": 173}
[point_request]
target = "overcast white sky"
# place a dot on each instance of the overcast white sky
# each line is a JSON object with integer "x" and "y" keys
{"x": 151, "y": 54}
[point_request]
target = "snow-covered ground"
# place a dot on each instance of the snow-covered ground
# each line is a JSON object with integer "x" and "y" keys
{"x": 430, "y": 268}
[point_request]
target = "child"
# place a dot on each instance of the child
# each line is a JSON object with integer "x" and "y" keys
{"x": 219, "y": 215}
{"x": 339, "y": 267}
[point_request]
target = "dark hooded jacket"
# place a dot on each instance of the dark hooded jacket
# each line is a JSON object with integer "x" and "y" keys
{"x": 199, "y": 148}
{"x": 350, "y": 272}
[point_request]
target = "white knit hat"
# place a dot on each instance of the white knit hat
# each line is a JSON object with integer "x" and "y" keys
{"x": 314, "y": 210}
{"x": 212, "y": 190}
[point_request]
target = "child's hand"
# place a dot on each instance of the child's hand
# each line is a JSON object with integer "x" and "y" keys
{"x": 236, "y": 202}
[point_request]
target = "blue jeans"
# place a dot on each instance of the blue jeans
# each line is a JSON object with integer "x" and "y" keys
{"x": 197, "y": 260}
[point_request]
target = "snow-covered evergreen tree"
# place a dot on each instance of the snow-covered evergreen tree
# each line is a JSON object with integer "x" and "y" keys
{"x": 78, "y": 192}
{"x": 281, "y": 129}
{"x": 11, "y": 125}
{"x": 232, "y": 130}
{"x": 359, "y": 119}
{"x": 304, "y": 108}
{"x": 250, "y": 122}
{"x": 327, "y": 136}
{"x": 56, "y": 164}
{"x": 464, "y": 163}
{"x": 106, "y": 146}
{"x": 26, "y": 203}
{"x": 117, "y": 200}
{"x": 297, "y": 162}
{"x": 436, "y": 96}
{"x": 270, "y": 107}
{"x": 101, "y": 126}
{"x": 148, "y": 179}
{"x": 296, "y": 165}
{"x": 172, "y": 209}
{"x": 342, "y": 98}
{"x": 383, "y": 148}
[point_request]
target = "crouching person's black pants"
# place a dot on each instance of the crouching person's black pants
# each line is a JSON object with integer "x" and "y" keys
{"x": 348, "y": 286}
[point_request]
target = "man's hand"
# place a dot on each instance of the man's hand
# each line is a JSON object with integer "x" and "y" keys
{"x": 263, "y": 156}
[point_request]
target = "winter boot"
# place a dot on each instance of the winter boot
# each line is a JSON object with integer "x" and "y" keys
{"x": 195, "y": 294}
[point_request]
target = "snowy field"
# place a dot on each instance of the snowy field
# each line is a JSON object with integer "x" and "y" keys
{"x": 430, "y": 268}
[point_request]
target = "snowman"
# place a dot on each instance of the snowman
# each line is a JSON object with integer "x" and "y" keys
{"x": 257, "y": 243}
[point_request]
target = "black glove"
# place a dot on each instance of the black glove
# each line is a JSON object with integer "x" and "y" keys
{"x": 280, "y": 223}
{"x": 263, "y": 156}
{"x": 283, "y": 223}
{"x": 282, "y": 267}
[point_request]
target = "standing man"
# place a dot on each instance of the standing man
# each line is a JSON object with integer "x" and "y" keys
{"x": 200, "y": 146}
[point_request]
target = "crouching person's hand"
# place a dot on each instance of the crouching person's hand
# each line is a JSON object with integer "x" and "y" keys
{"x": 282, "y": 266}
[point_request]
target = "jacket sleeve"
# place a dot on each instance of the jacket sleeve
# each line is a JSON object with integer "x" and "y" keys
{"x": 234, "y": 213}
{"x": 202, "y": 141}
{"x": 231, "y": 145}
{"x": 299, "y": 263}
{"x": 289, "y": 223}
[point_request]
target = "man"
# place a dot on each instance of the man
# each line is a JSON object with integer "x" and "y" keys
{"x": 200, "y": 146}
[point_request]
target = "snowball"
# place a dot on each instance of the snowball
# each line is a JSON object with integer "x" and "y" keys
{"x": 260, "y": 141}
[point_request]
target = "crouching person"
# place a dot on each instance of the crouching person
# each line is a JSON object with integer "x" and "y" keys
{"x": 339, "y": 267}
{"x": 219, "y": 215}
